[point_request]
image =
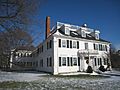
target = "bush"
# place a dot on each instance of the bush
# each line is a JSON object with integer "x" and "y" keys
{"x": 101, "y": 68}
{"x": 89, "y": 69}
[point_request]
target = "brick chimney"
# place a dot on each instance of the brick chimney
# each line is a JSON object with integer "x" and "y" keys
{"x": 47, "y": 27}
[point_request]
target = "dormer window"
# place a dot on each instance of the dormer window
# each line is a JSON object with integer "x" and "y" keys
{"x": 96, "y": 36}
{"x": 83, "y": 33}
{"x": 67, "y": 31}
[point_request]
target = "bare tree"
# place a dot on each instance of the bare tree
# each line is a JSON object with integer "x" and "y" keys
{"x": 15, "y": 16}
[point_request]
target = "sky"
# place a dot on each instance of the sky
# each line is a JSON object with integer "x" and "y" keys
{"x": 103, "y": 15}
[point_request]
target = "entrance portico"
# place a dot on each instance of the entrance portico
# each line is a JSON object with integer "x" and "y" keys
{"x": 87, "y": 58}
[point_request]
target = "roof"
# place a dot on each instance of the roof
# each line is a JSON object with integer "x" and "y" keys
{"x": 29, "y": 48}
{"x": 88, "y": 36}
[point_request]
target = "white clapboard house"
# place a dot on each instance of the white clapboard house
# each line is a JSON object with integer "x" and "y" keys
{"x": 70, "y": 48}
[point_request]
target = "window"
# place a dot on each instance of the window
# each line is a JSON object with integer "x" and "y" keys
{"x": 41, "y": 63}
{"x": 96, "y": 36}
{"x": 67, "y": 43}
{"x": 86, "y": 46}
{"x": 49, "y": 44}
{"x": 105, "y": 61}
{"x": 74, "y": 44}
{"x": 95, "y": 46}
{"x": 95, "y": 61}
{"x": 59, "y": 61}
{"x": 70, "y": 44}
{"x": 105, "y": 47}
{"x": 83, "y": 34}
{"x": 75, "y": 61}
{"x": 67, "y": 31}
{"x": 100, "y": 47}
{"x": 49, "y": 61}
{"x": 63, "y": 43}
{"x": 77, "y": 44}
{"x": 59, "y": 42}
{"x": 36, "y": 64}
{"x": 63, "y": 61}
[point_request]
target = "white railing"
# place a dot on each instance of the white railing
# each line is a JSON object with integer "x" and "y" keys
{"x": 87, "y": 51}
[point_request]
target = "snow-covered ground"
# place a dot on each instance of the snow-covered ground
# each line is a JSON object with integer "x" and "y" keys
{"x": 42, "y": 81}
{"x": 20, "y": 76}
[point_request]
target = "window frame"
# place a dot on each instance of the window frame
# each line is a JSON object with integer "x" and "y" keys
{"x": 64, "y": 43}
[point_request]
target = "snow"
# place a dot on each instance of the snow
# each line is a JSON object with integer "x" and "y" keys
{"x": 20, "y": 76}
{"x": 43, "y": 81}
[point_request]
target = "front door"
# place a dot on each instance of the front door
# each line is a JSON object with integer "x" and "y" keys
{"x": 86, "y": 63}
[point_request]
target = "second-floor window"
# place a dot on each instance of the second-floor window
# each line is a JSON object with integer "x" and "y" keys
{"x": 49, "y": 44}
{"x": 86, "y": 46}
{"x": 63, "y": 43}
{"x": 74, "y": 44}
{"x": 95, "y": 46}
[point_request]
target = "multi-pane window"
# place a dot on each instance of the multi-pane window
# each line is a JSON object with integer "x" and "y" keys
{"x": 105, "y": 61}
{"x": 49, "y": 61}
{"x": 106, "y": 48}
{"x": 97, "y": 36}
{"x": 83, "y": 34}
{"x": 63, "y": 43}
{"x": 102, "y": 47}
{"x": 69, "y": 61}
{"x": 74, "y": 44}
{"x": 63, "y": 61}
{"x": 86, "y": 46}
{"x": 75, "y": 61}
{"x": 95, "y": 46}
{"x": 41, "y": 63}
{"x": 49, "y": 44}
